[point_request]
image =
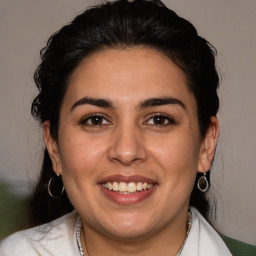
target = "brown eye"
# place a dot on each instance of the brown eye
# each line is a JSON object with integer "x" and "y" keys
{"x": 160, "y": 120}
{"x": 95, "y": 120}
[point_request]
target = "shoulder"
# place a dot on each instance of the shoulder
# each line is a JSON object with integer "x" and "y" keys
{"x": 239, "y": 248}
{"x": 14, "y": 244}
{"x": 209, "y": 236}
{"x": 203, "y": 239}
{"x": 52, "y": 238}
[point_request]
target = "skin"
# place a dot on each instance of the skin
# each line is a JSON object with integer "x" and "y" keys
{"x": 127, "y": 141}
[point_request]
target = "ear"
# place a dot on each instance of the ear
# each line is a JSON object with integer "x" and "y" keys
{"x": 52, "y": 148}
{"x": 208, "y": 146}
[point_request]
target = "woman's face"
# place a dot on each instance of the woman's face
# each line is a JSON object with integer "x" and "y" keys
{"x": 129, "y": 145}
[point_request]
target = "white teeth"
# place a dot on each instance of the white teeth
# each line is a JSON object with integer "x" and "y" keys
{"x": 122, "y": 187}
{"x": 144, "y": 186}
{"x": 150, "y": 186}
{"x": 139, "y": 186}
{"x": 127, "y": 188}
{"x": 132, "y": 187}
{"x": 115, "y": 186}
{"x": 109, "y": 186}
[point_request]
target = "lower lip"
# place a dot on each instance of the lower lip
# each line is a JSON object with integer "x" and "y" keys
{"x": 127, "y": 199}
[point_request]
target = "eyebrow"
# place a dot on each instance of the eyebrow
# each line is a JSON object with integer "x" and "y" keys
{"x": 152, "y": 102}
{"x": 102, "y": 103}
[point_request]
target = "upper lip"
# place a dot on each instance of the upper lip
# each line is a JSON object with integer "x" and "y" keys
{"x": 127, "y": 179}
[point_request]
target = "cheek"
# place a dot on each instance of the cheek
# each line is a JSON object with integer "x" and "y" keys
{"x": 80, "y": 155}
{"x": 176, "y": 154}
{"x": 80, "y": 158}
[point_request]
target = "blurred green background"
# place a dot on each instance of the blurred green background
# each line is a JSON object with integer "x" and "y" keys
{"x": 13, "y": 211}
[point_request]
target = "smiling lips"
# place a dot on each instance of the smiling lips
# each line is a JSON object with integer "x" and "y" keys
{"x": 127, "y": 189}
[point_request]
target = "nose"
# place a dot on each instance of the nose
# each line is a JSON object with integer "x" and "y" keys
{"x": 127, "y": 146}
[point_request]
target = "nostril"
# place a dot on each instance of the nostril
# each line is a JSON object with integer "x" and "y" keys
{"x": 126, "y": 160}
{"x": 127, "y": 148}
{"x": 127, "y": 157}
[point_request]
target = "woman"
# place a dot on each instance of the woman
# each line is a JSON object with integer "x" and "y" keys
{"x": 128, "y": 103}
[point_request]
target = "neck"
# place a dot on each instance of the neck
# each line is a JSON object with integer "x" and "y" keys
{"x": 165, "y": 241}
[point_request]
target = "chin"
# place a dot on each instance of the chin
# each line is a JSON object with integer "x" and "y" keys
{"x": 131, "y": 234}
{"x": 128, "y": 228}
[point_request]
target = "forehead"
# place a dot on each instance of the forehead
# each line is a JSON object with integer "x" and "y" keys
{"x": 127, "y": 75}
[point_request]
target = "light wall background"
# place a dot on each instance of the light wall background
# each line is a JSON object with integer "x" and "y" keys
{"x": 230, "y": 25}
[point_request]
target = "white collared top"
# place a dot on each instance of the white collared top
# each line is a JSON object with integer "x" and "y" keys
{"x": 59, "y": 238}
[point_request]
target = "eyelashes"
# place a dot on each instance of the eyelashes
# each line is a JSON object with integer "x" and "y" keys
{"x": 155, "y": 120}
{"x": 160, "y": 120}
{"x": 95, "y": 120}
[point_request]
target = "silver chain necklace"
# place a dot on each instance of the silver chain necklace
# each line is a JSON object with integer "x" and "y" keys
{"x": 189, "y": 224}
